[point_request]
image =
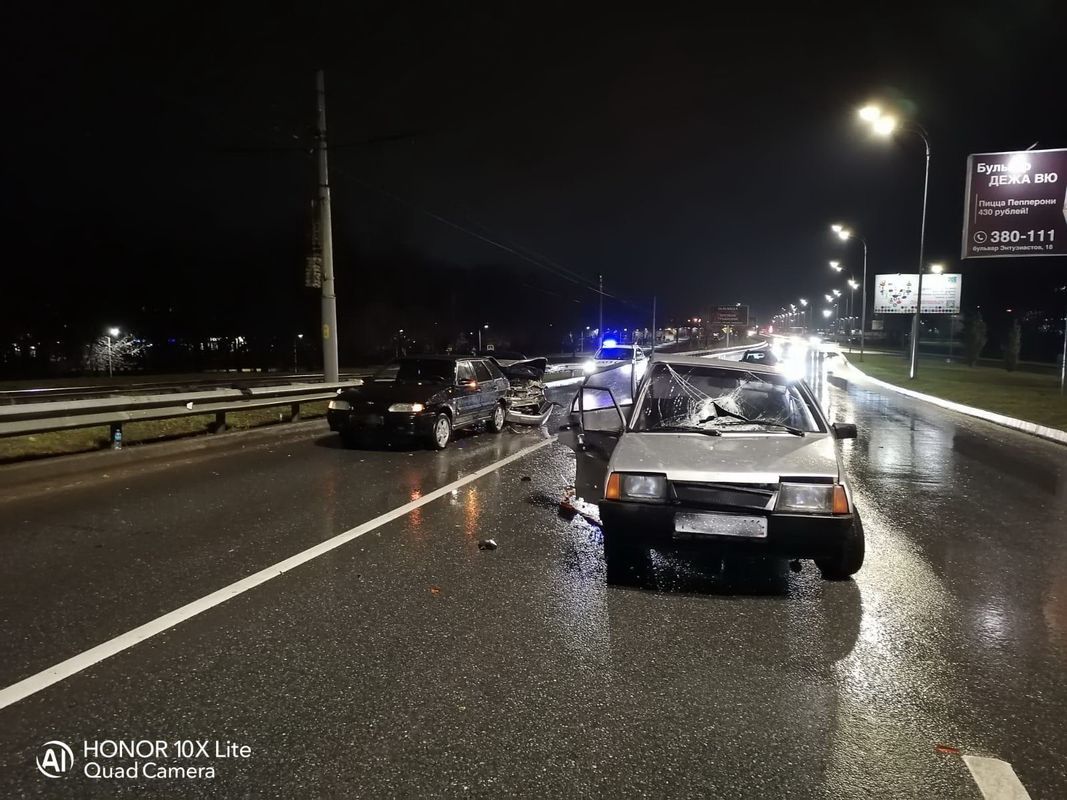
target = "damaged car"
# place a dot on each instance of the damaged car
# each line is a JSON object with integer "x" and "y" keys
{"x": 712, "y": 458}
{"x": 525, "y": 398}
{"x": 423, "y": 398}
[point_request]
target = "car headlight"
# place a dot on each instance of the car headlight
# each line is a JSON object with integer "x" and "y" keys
{"x": 589, "y": 367}
{"x": 340, "y": 405}
{"x": 407, "y": 408}
{"x": 643, "y": 488}
{"x": 812, "y": 498}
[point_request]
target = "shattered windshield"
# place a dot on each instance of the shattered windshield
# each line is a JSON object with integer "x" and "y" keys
{"x": 723, "y": 400}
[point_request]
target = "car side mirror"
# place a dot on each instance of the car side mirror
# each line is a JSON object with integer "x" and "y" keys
{"x": 844, "y": 430}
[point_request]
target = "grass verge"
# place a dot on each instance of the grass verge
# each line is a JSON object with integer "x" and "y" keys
{"x": 1024, "y": 395}
{"x": 18, "y": 448}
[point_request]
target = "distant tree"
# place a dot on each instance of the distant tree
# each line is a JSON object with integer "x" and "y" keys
{"x": 123, "y": 353}
{"x": 1011, "y": 349}
{"x": 975, "y": 336}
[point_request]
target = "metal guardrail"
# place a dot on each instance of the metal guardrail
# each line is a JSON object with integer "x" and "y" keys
{"x": 234, "y": 381}
{"x": 116, "y": 411}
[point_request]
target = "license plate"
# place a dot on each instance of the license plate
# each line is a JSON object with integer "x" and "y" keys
{"x": 721, "y": 525}
{"x": 370, "y": 420}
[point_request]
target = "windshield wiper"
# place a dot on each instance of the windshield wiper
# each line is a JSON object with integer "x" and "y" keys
{"x": 685, "y": 429}
{"x": 766, "y": 423}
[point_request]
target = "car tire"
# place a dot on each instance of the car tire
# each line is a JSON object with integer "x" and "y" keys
{"x": 496, "y": 422}
{"x": 849, "y": 557}
{"x": 627, "y": 563}
{"x": 441, "y": 433}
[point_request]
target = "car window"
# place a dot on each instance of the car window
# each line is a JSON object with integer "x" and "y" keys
{"x": 494, "y": 370}
{"x": 617, "y": 353}
{"x": 482, "y": 371}
{"x": 387, "y": 374}
{"x": 465, "y": 371}
{"x": 429, "y": 370}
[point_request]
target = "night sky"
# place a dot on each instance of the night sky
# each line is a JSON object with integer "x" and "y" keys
{"x": 156, "y": 170}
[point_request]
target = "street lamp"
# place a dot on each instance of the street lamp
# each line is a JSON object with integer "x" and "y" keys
{"x": 484, "y": 327}
{"x": 937, "y": 269}
{"x": 112, "y": 333}
{"x": 836, "y": 266}
{"x": 844, "y": 234}
{"x": 884, "y": 125}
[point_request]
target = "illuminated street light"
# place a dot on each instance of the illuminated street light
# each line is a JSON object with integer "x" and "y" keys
{"x": 826, "y": 312}
{"x": 853, "y": 284}
{"x": 112, "y": 333}
{"x": 884, "y": 125}
{"x": 937, "y": 269}
{"x": 829, "y": 298}
{"x": 836, "y": 266}
{"x": 837, "y": 292}
{"x": 870, "y": 113}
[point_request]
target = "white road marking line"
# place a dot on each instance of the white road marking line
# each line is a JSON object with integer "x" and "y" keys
{"x": 996, "y": 779}
{"x": 64, "y": 669}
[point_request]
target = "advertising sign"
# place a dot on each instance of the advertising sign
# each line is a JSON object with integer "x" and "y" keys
{"x": 736, "y": 316}
{"x": 895, "y": 294}
{"x": 1016, "y": 204}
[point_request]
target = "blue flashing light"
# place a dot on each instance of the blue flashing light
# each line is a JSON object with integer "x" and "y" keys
{"x": 609, "y": 343}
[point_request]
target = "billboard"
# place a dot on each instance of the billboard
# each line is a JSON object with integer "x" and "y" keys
{"x": 895, "y": 294}
{"x": 736, "y": 316}
{"x": 1016, "y": 204}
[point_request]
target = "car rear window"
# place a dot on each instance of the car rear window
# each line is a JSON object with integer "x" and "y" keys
{"x": 494, "y": 369}
{"x": 482, "y": 371}
{"x": 616, "y": 353}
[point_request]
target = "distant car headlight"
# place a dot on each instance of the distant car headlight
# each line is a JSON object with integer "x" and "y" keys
{"x": 812, "y": 498}
{"x": 407, "y": 408}
{"x": 645, "y": 488}
{"x": 589, "y": 367}
{"x": 340, "y": 405}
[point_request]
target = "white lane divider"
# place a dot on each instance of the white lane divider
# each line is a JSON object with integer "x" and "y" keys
{"x": 72, "y": 666}
{"x": 996, "y": 779}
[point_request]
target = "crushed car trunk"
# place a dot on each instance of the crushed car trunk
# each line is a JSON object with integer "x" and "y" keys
{"x": 525, "y": 398}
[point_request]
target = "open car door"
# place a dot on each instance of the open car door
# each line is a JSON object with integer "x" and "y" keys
{"x": 598, "y": 417}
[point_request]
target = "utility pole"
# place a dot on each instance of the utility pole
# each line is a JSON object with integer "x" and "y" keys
{"x": 653, "y": 324}
{"x": 329, "y": 293}
{"x": 600, "y": 325}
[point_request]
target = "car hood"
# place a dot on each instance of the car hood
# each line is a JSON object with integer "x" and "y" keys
{"x": 731, "y": 458}
{"x": 394, "y": 392}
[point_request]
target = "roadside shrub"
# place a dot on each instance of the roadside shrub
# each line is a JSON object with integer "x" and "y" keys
{"x": 1011, "y": 349}
{"x": 975, "y": 336}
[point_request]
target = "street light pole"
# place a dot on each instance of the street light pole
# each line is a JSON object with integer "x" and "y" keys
{"x": 914, "y": 367}
{"x": 329, "y": 291}
{"x": 109, "y": 372}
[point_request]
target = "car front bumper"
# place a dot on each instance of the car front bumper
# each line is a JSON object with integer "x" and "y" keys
{"x": 390, "y": 424}
{"x": 788, "y": 535}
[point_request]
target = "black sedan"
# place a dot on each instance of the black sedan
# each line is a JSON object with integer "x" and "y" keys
{"x": 423, "y": 397}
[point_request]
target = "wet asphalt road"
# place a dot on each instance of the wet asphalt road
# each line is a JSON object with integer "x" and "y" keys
{"x": 409, "y": 663}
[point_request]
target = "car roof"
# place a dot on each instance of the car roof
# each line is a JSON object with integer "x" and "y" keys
{"x": 438, "y": 357}
{"x": 717, "y": 363}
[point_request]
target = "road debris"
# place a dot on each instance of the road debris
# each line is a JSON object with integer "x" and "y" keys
{"x": 487, "y": 544}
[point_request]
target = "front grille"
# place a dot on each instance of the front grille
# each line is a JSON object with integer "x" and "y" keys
{"x": 726, "y": 496}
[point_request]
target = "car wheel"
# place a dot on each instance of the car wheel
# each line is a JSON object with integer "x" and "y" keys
{"x": 627, "y": 564}
{"x": 496, "y": 422}
{"x": 849, "y": 557}
{"x": 442, "y": 432}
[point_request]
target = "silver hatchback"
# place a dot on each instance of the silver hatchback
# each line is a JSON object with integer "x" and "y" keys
{"x": 713, "y": 457}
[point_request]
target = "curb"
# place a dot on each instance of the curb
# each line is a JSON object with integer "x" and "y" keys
{"x": 1042, "y": 431}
